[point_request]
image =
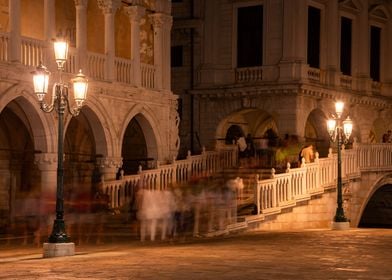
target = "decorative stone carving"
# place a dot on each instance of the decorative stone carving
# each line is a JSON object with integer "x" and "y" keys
{"x": 110, "y": 162}
{"x": 174, "y": 129}
{"x": 46, "y": 161}
{"x": 161, "y": 20}
{"x": 109, "y": 6}
{"x": 135, "y": 13}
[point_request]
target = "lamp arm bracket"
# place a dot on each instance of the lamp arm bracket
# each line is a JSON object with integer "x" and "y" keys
{"x": 73, "y": 111}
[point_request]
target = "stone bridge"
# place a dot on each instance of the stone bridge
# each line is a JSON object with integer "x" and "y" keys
{"x": 303, "y": 197}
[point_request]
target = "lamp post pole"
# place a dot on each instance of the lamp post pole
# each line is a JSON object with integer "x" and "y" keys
{"x": 337, "y": 130}
{"x": 59, "y": 234}
{"x": 59, "y": 243}
{"x": 339, "y": 216}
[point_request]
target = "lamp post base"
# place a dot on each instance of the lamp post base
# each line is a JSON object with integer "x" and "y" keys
{"x": 340, "y": 225}
{"x": 52, "y": 250}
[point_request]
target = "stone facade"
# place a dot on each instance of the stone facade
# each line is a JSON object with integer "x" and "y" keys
{"x": 285, "y": 93}
{"x": 129, "y": 118}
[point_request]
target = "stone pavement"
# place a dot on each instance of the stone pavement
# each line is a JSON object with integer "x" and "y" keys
{"x": 309, "y": 254}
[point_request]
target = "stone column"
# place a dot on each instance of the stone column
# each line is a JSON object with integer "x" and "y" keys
{"x": 135, "y": 13}
{"x": 81, "y": 33}
{"x": 49, "y": 20}
{"x": 109, "y": 166}
{"x": 15, "y": 37}
{"x": 333, "y": 67}
{"x": 109, "y": 8}
{"x": 162, "y": 25}
{"x": 294, "y": 40}
{"x": 386, "y": 71}
{"x": 47, "y": 164}
{"x": 361, "y": 54}
{"x": 7, "y": 190}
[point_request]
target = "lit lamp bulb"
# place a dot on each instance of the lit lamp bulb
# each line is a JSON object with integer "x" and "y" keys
{"x": 41, "y": 82}
{"x": 339, "y": 106}
{"x": 80, "y": 85}
{"x": 331, "y": 125}
{"x": 347, "y": 127}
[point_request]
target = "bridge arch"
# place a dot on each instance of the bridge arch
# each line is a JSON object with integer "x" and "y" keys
{"x": 376, "y": 210}
{"x": 247, "y": 121}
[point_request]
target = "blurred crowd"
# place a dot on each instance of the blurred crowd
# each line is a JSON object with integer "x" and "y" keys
{"x": 196, "y": 209}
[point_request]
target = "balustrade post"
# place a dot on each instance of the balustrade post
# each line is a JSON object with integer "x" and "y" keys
{"x": 257, "y": 191}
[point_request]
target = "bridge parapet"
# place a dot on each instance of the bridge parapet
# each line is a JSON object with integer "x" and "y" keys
{"x": 122, "y": 191}
{"x": 298, "y": 184}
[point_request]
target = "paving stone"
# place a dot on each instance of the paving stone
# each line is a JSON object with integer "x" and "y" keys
{"x": 305, "y": 254}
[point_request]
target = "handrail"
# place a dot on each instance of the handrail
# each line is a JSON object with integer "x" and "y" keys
{"x": 286, "y": 189}
{"x": 165, "y": 175}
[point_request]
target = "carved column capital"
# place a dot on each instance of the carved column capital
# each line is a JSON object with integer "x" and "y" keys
{"x": 135, "y": 13}
{"x": 109, "y": 6}
{"x": 161, "y": 20}
{"x": 46, "y": 161}
{"x": 109, "y": 162}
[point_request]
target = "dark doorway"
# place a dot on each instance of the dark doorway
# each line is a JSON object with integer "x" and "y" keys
{"x": 134, "y": 149}
{"x": 234, "y": 131}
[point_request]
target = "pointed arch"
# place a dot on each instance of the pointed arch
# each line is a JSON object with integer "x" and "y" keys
{"x": 149, "y": 124}
{"x": 24, "y": 101}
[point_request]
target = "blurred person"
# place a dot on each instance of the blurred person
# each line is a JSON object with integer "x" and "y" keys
{"x": 307, "y": 153}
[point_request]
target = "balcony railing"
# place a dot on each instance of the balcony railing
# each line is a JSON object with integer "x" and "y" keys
{"x": 33, "y": 52}
{"x": 248, "y": 74}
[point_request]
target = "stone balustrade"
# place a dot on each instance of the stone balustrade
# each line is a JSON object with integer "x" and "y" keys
{"x": 34, "y": 51}
{"x": 298, "y": 184}
{"x": 164, "y": 175}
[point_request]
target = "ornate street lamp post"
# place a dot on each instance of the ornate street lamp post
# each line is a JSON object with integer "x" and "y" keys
{"x": 339, "y": 130}
{"x": 59, "y": 244}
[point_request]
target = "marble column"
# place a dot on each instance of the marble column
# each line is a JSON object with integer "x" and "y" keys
{"x": 15, "y": 35}
{"x": 49, "y": 20}
{"x": 135, "y": 13}
{"x": 47, "y": 164}
{"x": 333, "y": 67}
{"x": 162, "y": 25}
{"x": 81, "y": 33}
{"x": 109, "y": 8}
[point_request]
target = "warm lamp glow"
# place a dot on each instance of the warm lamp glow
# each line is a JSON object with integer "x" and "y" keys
{"x": 331, "y": 125}
{"x": 339, "y": 106}
{"x": 41, "y": 82}
{"x": 347, "y": 127}
{"x": 80, "y": 85}
{"x": 60, "y": 52}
